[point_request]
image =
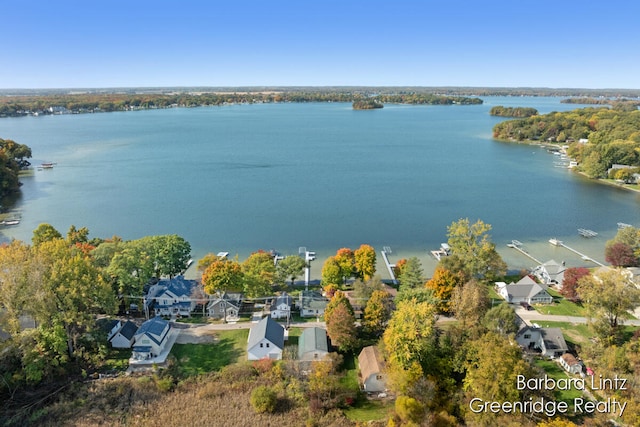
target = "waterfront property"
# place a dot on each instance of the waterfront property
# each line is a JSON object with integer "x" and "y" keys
{"x": 171, "y": 297}
{"x": 281, "y": 307}
{"x": 312, "y": 304}
{"x": 551, "y": 273}
{"x": 266, "y": 340}
{"x": 226, "y": 306}
{"x": 525, "y": 290}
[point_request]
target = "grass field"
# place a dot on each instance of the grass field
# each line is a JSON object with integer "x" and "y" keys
{"x": 195, "y": 359}
{"x": 554, "y": 371}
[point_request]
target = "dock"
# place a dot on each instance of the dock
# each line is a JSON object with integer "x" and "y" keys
{"x": 445, "y": 250}
{"x": 557, "y": 242}
{"x": 586, "y": 233}
{"x": 517, "y": 245}
{"x": 390, "y": 267}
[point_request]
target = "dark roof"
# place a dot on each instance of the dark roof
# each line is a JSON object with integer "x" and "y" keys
{"x": 179, "y": 286}
{"x": 553, "y": 339}
{"x": 152, "y": 328}
{"x": 312, "y": 339}
{"x": 128, "y": 330}
{"x": 269, "y": 329}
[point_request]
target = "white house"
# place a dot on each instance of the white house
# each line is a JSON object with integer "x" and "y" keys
{"x": 525, "y": 290}
{"x": 371, "y": 370}
{"x": 313, "y": 344}
{"x": 549, "y": 341}
{"x": 172, "y": 297}
{"x": 571, "y": 364}
{"x": 281, "y": 307}
{"x": 266, "y": 340}
{"x": 551, "y": 273}
{"x": 312, "y": 304}
{"x": 150, "y": 339}
{"x": 121, "y": 334}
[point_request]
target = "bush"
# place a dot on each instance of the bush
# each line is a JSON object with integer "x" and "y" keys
{"x": 409, "y": 409}
{"x": 264, "y": 399}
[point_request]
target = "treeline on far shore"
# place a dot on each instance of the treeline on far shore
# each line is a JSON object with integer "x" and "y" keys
{"x": 75, "y": 103}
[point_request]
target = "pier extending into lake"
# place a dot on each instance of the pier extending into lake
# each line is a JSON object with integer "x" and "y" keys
{"x": 515, "y": 244}
{"x": 557, "y": 242}
{"x": 390, "y": 267}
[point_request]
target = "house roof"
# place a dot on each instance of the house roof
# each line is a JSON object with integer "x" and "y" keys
{"x": 370, "y": 362}
{"x": 269, "y": 329}
{"x": 178, "y": 286}
{"x": 152, "y": 328}
{"x": 281, "y": 300}
{"x": 128, "y": 330}
{"x": 312, "y": 339}
{"x": 313, "y": 300}
{"x": 569, "y": 359}
{"x": 553, "y": 339}
{"x": 527, "y": 290}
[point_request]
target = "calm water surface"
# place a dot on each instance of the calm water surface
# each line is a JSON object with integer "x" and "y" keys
{"x": 244, "y": 177}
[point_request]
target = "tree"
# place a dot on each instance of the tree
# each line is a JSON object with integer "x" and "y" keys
{"x": 409, "y": 409}
{"x": 15, "y": 284}
{"x": 75, "y": 235}
{"x": 472, "y": 245}
{"x": 346, "y": 260}
{"x": 442, "y": 284}
{"x": 377, "y": 312}
{"x": 169, "y": 253}
{"x": 490, "y": 381}
{"x": 469, "y": 303}
{"x": 290, "y": 268}
{"x": 410, "y": 335}
{"x": 72, "y": 292}
{"x": 412, "y": 275}
{"x": 259, "y": 273}
{"x": 223, "y": 275}
{"x": 501, "y": 319}
{"x": 570, "y": 282}
{"x": 331, "y": 272}
{"x": 131, "y": 267}
{"x": 365, "y": 262}
{"x": 45, "y": 233}
{"x": 608, "y": 296}
{"x": 12, "y": 159}
{"x": 620, "y": 254}
{"x": 362, "y": 291}
{"x": 341, "y": 327}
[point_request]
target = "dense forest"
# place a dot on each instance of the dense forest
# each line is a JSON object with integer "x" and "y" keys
{"x": 613, "y": 136}
{"x": 502, "y": 111}
{"x": 616, "y": 103}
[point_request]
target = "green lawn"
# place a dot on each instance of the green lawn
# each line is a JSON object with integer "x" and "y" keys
{"x": 369, "y": 410}
{"x": 574, "y": 333}
{"x": 195, "y": 359}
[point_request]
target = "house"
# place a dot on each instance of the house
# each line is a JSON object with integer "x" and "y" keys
{"x": 525, "y": 290}
{"x": 172, "y": 297}
{"x": 549, "y": 341}
{"x": 571, "y": 364}
{"x": 312, "y": 304}
{"x": 551, "y": 273}
{"x": 313, "y": 344}
{"x": 227, "y": 306}
{"x": 281, "y": 307}
{"x": 151, "y": 338}
{"x": 121, "y": 334}
{"x": 266, "y": 340}
{"x": 371, "y": 370}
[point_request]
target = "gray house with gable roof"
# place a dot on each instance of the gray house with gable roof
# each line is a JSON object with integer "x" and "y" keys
{"x": 121, "y": 335}
{"x": 549, "y": 341}
{"x": 525, "y": 290}
{"x": 313, "y": 344}
{"x": 266, "y": 340}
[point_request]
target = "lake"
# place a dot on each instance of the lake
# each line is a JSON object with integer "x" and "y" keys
{"x": 239, "y": 178}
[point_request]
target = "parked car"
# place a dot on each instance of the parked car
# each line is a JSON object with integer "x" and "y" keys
{"x": 526, "y": 305}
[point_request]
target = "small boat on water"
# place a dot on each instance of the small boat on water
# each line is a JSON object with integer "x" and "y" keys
{"x": 622, "y": 225}
{"x": 587, "y": 233}
{"x": 555, "y": 242}
{"x": 10, "y": 222}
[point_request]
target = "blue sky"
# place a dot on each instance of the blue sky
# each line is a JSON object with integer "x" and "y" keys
{"x": 558, "y": 44}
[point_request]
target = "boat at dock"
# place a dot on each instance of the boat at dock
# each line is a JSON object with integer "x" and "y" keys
{"x": 556, "y": 242}
{"x": 445, "y": 250}
{"x": 622, "y": 225}
{"x": 515, "y": 244}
